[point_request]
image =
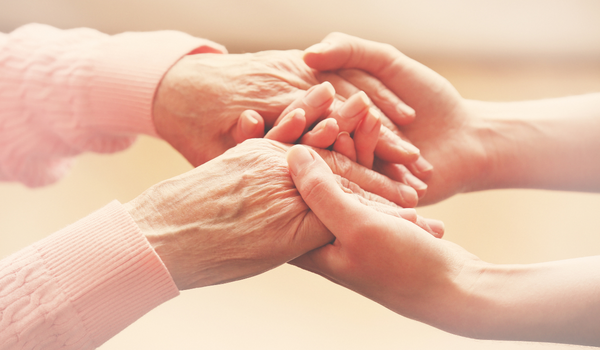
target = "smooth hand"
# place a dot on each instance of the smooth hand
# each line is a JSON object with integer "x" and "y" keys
{"x": 385, "y": 258}
{"x": 443, "y": 128}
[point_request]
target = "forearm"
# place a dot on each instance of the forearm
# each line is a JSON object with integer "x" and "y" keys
{"x": 81, "y": 285}
{"x": 550, "y": 144}
{"x": 549, "y": 302}
{"x": 64, "y": 92}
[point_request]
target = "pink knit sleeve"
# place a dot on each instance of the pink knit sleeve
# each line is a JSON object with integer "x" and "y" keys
{"x": 64, "y": 92}
{"x": 82, "y": 285}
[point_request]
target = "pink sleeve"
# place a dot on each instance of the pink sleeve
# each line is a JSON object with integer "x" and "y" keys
{"x": 82, "y": 285}
{"x": 64, "y": 92}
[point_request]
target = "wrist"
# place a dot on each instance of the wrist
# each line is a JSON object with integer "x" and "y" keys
{"x": 461, "y": 303}
{"x": 499, "y": 140}
{"x": 155, "y": 229}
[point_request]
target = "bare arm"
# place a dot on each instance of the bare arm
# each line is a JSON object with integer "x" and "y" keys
{"x": 551, "y": 144}
{"x": 399, "y": 265}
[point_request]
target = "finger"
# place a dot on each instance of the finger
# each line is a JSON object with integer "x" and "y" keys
{"x": 351, "y": 112}
{"x": 315, "y": 103}
{"x": 392, "y": 106}
{"x": 250, "y": 125}
{"x": 391, "y": 148}
{"x": 397, "y": 148}
{"x": 322, "y": 135}
{"x": 345, "y": 145}
{"x": 351, "y": 188}
{"x": 290, "y": 128}
{"x": 421, "y": 168}
{"x": 382, "y": 205}
{"x": 338, "y": 51}
{"x": 405, "y": 77}
{"x": 365, "y": 139}
{"x": 436, "y": 226}
{"x": 369, "y": 180}
{"x": 321, "y": 192}
{"x": 400, "y": 173}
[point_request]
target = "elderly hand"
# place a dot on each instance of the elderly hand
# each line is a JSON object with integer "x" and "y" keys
{"x": 239, "y": 214}
{"x": 445, "y": 123}
{"x": 199, "y": 100}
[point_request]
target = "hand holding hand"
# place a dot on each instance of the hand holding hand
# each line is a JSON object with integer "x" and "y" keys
{"x": 358, "y": 140}
{"x": 385, "y": 258}
{"x": 240, "y": 214}
{"x": 444, "y": 126}
{"x": 199, "y": 100}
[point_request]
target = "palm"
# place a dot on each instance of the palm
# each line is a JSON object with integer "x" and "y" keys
{"x": 439, "y": 132}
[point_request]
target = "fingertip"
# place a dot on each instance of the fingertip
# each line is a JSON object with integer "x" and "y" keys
{"x": 437, "y": 227}
{"x": 370, "y": 125}
{"x": 317, "y": 48}
{"x": 408, "y": 195}
{"x": 250, "y": 125}
{"x": 404, "y": 114}
{"x": 312, "y": 54}
{"x": 290, "y": 128}
{"x": 421, "y": 168}
{"x": 320, "y": 95}
{"x": 417, "y": 184}
{"x": 409, "y": 214}
{"x": 298, "y": 158}
{"x": 322, "y": 135}
{"x": 345, "y": 146}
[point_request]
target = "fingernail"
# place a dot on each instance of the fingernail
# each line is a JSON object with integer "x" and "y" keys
{"x": 343, "y": 134}
{"x": 298, "y": 157}
{"x": 320, "y": 95}
{"x": 317, "y": 48}
{"x": 405, "y": 110}
{"x": 291, "y": 115}
{"x": 411, "y": 149}
{"x": 369, "y": 123}
{"x": 409, "y": 214}
{"x": 324, "y": 124}
{"x": 409, "y": 195}
{"x": 422, "y": 165}
{"x": 249, "y": 124}
{"x": 417, "y": 184}
{"x": 436, "y": 226}
{"x": 354, "y": 105}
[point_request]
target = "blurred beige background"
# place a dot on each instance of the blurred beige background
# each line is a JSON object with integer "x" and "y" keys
{"x": 493, "y": 50}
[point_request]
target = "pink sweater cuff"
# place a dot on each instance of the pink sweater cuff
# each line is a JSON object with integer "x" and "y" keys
{"x": 107, "y": 270}
{"x": 129, "y": 69}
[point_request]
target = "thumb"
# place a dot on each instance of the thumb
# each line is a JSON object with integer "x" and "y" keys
{"x": 321, "y": 192}
{"x": 250, "y": 125}
{"x": 340, "y": 50}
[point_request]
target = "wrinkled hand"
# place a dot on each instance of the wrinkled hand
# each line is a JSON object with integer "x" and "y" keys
{"x": 443, "y": 127}
{"x": 199, "y": 100}
{"x": 239, "y": 214}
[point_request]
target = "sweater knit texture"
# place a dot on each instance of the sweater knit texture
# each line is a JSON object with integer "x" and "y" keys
{"x": 64, "y": 92}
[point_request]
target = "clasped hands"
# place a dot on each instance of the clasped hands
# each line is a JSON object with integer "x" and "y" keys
{"x": 239, "y": 213}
